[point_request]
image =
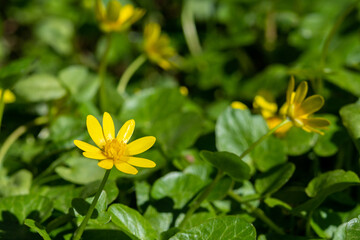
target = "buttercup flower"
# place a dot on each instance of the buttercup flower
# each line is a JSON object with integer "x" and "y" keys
{"x": 157, "y": 46}
{"x": 113, "y": 150}
{"x": 115, "y": 17}
{"x": 238, "y": 105}
{"x": 268, "y": 110}
{"x": 298, "y": 109}
{"x": 9, "y": 97}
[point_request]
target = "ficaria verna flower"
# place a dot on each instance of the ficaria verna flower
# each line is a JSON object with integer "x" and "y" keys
{"x": 115, "y": 17}
{"x": 238, "y": 105}
{"x": 268, "y": 110}
{"x": 9, "y": 97}
{"x": 298, "y": 109}
{"x": 157, "y": 46}
{"x": 113, "y": 150}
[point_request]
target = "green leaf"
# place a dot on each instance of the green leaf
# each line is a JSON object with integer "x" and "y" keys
{"x": 82, "y": 85}
{"x": 331, "y": 182}
{"x": 221, "y": 189}
{"x": 178, "y": 131}
{"x": 324, "y": 185}
{"x": 229, "y": 163}
{"x": 17, "y": 184}
{"x": 152, "y": 105}
{"x": 39, "y": 87}
{"x": 37, "y": 228}
{"x": 273, "y": 202}
{"x": 57, "y": 33}
{"x": 142, "y": 190}
{"x": 160, "y": 221}
{"x": 237, "y": 129}
{"x": 178, "y": 186}
{"x": 26, "y": 206}
{"x": 326, "y": 144}
{"x": 220, "y": 228}
{"x": 62, "y": 202}
{"x": 132, "y": 223}
{"x": 350, "y": 115}
{"x": 80, "y": 170}
{"x": 271, "y": 181}
{"x": 13, "y": 72}
{"x": 352, "y": 229}
{"x": 195, "y": 219}
{"x": 298, "y": 142}
{"x": 345, "y": 79}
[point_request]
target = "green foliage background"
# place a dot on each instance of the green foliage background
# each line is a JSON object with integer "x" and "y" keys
{"x": 301, "y": 186}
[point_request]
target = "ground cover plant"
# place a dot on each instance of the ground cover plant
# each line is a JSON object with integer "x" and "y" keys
{"x": 151, "y": 119}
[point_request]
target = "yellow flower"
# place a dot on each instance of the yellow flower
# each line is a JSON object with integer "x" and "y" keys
{"x": 298, "y": 109}
{"x": 113, "y": 150}
{"x": 9, "y": 97}
{"x": 238, "y": 105}
{"x": 157, "y": 46}
{"x": 268, "y": 110}
{"x": 115, "y": 17}
{"x": 184, "y": 91}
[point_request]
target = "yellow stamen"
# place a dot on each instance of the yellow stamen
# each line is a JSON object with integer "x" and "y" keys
{"x": 115, "y": 150}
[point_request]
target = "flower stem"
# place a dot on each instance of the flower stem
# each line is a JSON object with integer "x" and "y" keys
{"x": 2, "y": 105}
{"x": 80, "y": 230}
{"x": 189, "y": 29}
{"x": 129, "y": 72}
{"x": 16, "y": 134}
{"x": 204, "y": 194}
{"x": 102, "y": 72}
{"x": 271, "y": 131}
{"x": 258, "y": 213}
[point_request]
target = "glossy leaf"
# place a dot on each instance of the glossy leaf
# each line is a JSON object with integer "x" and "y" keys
{"x": 178, "y": 186}
{"x": 38, "y": 228}
{"x": 26, "y": 206}
{"x": 350, "y": 115}
{"x": 220, "y": 228}
{"x": 229, "y": 163}
{"x": 271, "y": 181}
{"x": 40, "y": 87}
{"x": 352, "y": 229}
{"x": 237, "y": 129}
{"x": 331, "y": 182}
{"x": 132, "y": 223}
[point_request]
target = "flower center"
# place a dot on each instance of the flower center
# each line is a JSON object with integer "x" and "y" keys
{"x": 115, "y": 149}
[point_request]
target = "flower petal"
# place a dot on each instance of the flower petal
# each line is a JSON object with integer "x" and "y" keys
{"x": 310, "y": 105}
{"x": 316, "y": 122}
{"x": 126, "y": 12}
{"x": 141, "y": 162}
{"x": 86, "y": 147}
{"x": 310, "y": 129}
{"x": 290, "y": 90}
{"x": 95, "y": 131}
{"x": 108, "y": 127}
{"x": 107, "y": 164}
{"x": 140, "y": 145}
{"x": 126, "y": 168}
{"x": 301, "y": 92}
{"x": 94, "y": 155}
{"x": 126, "y": 131}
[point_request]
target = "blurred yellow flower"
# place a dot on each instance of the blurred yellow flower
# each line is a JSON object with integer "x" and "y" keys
{"x": 115, "y": 17}
{"x": 238, "y": 105}
{"x": 9, "y": 97}
{"x": 157, "y": 46}
{"x": 184, "y": 91}
{"x": 113, "y": 150}
{"x": 268, "y": 110}
{"x": 298, "y": 109}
